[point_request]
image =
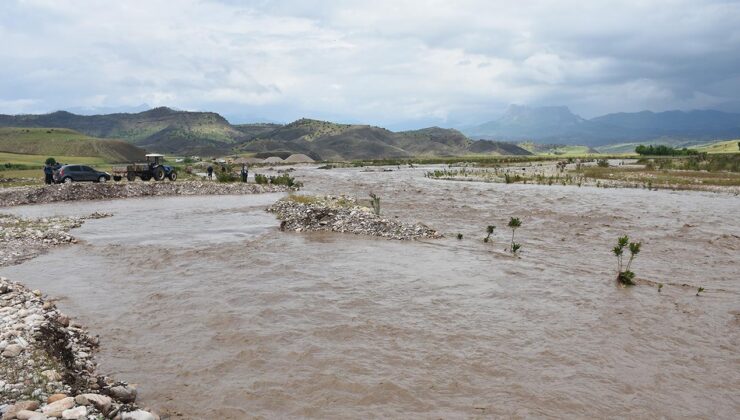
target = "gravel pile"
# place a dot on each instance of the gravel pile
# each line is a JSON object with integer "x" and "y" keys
{"x": 108, "y": 190}
{"x": 48, "y": 369}
{"x": 23, "y": 239}
{"x": 342, "y": 214}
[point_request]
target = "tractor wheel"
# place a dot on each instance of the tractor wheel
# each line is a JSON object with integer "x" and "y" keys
{"x": 116, "y": 178}
{"x": 173, "y": 176}
{"x": 159, "y": 174}
{"x": 130, "y": 177}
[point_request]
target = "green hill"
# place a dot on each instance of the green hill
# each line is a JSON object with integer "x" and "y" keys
{"x": 729, "y": 146}
{"x": 208, "y": 134}
{"x": 65, "y": 142}
{"x": 323, "y": 140}
{"x": 159, "y": 130}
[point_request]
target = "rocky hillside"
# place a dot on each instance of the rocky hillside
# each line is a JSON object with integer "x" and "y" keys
{"x": 324, "y": 140}
{"x": 65, "y": 142}
{"x": 208, "y": 134}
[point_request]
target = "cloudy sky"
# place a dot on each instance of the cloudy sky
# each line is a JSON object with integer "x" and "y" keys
{"x": 394, "y": 63}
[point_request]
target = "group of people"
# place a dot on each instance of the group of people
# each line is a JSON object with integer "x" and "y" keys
{"x": 244, "y": 172}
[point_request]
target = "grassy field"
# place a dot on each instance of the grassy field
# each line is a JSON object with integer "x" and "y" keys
{"x": 663, "y": 178}
{"x": 38, "y": 160}
{"x": 65, "y": 142}
{"x": 729, "y": 146}
{"x": 557, "y": 149}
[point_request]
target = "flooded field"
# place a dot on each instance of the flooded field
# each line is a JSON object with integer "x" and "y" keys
{"x": 215, "y": 313}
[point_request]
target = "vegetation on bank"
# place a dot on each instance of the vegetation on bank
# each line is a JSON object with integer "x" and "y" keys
{"x": 663, "y": 150}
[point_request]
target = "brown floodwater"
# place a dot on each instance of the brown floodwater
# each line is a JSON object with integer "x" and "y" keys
{"x": 215, "y": 313}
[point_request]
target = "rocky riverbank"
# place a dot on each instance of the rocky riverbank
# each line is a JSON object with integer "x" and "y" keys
{"x": 22, "y": 239}
{"x": 343, "y": 214}
{"x": 16, "y": 196}
{"x": 48, "y": 369}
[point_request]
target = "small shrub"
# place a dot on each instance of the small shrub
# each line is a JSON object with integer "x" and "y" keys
{"x": 50, "y": 161}
{"x": 226, "y": 177}
{"x": 699, "y": 290}
{"x": 375, "y": 203}
{"x": 515, "y": 247}
{"x": 284, "y": 179}
{"x": 514, "y": 224}
{"x": 489, "y": 231}
{"x": 459, "y": 236}
{"x": 303, "y": 199}
{"x": 624, "y": 275}
{"x": 261, "y": 179}
{"x": 660, "y": 287}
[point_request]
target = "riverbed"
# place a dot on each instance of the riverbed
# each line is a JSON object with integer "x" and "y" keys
{"x": 215, "y": 313}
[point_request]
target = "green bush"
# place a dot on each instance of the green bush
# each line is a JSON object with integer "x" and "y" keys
{"x": 624, "y": 275}
{"x": 226, "y": 177}
{"x": 261, "y": 179}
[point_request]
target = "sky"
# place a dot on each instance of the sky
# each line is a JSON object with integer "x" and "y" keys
{"x": 398, "y": 64}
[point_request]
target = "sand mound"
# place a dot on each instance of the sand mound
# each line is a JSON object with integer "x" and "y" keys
{"x": 299, "y": 158}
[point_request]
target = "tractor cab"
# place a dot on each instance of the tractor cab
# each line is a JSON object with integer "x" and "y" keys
{"x": 154, "y": 159}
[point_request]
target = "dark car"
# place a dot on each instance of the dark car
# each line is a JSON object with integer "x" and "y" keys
{"x": 79, "y": 173}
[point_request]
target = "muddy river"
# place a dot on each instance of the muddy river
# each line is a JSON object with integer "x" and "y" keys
{"x": 215, "y": 313}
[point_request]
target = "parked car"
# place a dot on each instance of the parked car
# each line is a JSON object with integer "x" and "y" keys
{"x": 79, "y": 173}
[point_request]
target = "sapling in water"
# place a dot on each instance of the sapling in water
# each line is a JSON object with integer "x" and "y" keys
{"x": 660, "y": 286}
{"x": 459, "y": 236}
{"x": 489, "y": 231}
{"x": 625, "y": 276}
{"x": 699, "y": 290}
{"x": 514, "y": 223}
{"x": 375, "y": 203}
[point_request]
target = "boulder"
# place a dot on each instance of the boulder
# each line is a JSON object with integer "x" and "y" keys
{"x": 56, "y": 408}
{"x": 12, "y": 350}
{"x": 101, "y": 402}
{"x": 77, "y": 413}
{"x": 139, "y": 415}
{"x": 13, "y": 410}
{"x": 55, "y": 397}
{"x": 123, "y": 393}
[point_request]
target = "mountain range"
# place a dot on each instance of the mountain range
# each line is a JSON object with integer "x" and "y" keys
{"x": 559, "y": 125}
{"x": 171, "y": 131}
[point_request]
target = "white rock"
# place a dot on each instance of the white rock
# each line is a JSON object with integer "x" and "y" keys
{"x": 12, "y": 350}
{"x": 101, "y": 402}
{"x": 77, "y": 413}
{"x": 25, "y": 414}
{"x": 139, "y": 415}
{"x": 56, "y": 408}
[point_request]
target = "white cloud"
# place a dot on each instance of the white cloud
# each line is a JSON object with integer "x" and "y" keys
{"x": 382, "y": 62}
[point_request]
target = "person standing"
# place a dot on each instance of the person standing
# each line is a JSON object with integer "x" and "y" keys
{"x": 210, "y": 172}
{"x": 245, "y": 172}
{"x": 48, "y": 174}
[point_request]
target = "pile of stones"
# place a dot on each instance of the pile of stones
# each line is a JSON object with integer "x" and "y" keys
{"x": 343, "y": 214}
